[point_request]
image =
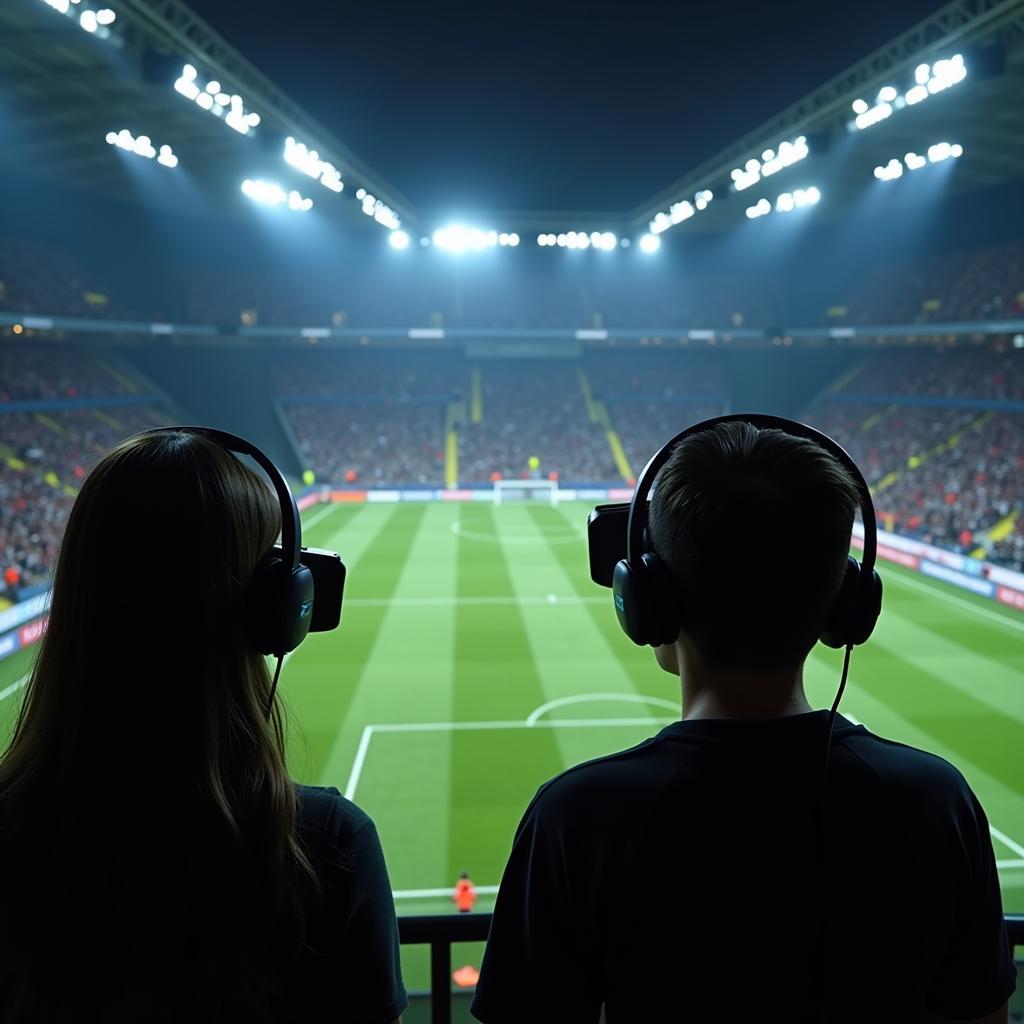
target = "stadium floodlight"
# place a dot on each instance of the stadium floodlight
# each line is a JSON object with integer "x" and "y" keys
{"x": 1018, "y": 341}
{"x": 873, "y": 115}
{"x": 378, "y": 210}
{"x": 87, "y": 19}
{"x": 307, "y": 160}
{"x": 759, "y": 209}
{"x": 785, "y": 202}
{"x": 508, "y": 238}
{"x": 773, "y": 160}
{"x": 398, "y": 239}
{"x": 892, "y": 170}
{"x": 650, "y": 243}
{"x": 457, "y": 238}
{"x": 167, "y": 157}
{"x": 928, "y": 80}
{"x": 943, "y": 151}
{"x": 269, "y": 193}
{"x": 679, "y": 211}
{"x": 142, "y": 146}
{"x": 212, "y": 98}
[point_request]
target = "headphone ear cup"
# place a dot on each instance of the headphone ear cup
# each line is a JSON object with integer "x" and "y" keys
{"x": 869, "y": 606}
{"x": 629, "y": 602}
{"x": 856, "y": 607}
{"x": 837, "y": 628}
{"x": 279, "y": 606}
{"x": 645, "y": 601}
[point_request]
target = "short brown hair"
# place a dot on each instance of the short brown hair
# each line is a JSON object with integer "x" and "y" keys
{"x": 754, "y": 527}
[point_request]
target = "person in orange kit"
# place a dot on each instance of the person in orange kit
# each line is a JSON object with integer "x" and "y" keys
{"x": 465, "y": 893}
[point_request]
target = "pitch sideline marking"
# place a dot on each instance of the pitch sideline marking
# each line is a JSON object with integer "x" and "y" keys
{"x": 586, "y": 698}
{"x": 17, "y": 685}
{"x": 933, "y": 591}
{"x": 322, "y": 514}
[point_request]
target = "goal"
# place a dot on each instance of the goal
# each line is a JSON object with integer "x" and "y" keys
{"x": 525, "y": 490}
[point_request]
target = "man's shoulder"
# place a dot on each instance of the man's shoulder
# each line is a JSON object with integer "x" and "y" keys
{"x": 900, "y": 768}
{"x": 607, "y": 780}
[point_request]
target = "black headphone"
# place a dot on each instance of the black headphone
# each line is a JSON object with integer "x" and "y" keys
{"x": 279, "y": 597}
{"x": 646, "y": 597}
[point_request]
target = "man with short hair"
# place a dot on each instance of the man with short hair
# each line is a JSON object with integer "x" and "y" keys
{"x": 766, "y": 893}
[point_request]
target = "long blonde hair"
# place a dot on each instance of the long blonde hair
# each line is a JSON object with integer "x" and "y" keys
{"x": 147, "y": 821}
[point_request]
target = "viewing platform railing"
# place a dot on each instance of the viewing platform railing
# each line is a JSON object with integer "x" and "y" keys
{"x": 440, "y": 931}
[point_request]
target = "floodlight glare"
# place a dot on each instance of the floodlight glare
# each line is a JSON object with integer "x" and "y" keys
{"x": 87, "y": 19}
{"x": 308, "y": 161}
{"x": 214, "y": 99}
{"x": 650, "y": 243}
{"x": 860, "y": 106}
{"x": 398, "y": 239}
{"x": 106, "y": 16}
{"x": 271, "y": 194}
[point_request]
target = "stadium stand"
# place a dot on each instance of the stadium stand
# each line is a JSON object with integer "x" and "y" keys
{"x": 38, "y": 278}
{"x": 534, "y": 409}
{"x": 651, "y": 398}
{"x": 962, "y": 285}
{"x": 370, "y": 419}
{"x": 940, "y": 438}
{"x": 47, "y": 450}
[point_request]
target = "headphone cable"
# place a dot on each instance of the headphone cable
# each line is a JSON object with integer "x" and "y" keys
{"x": 273, "y": 685}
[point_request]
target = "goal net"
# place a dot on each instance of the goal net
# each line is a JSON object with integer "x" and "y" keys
{"x": 525, "y": 490}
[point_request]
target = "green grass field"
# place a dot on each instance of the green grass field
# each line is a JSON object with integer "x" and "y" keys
{"x": 476, "y": 660}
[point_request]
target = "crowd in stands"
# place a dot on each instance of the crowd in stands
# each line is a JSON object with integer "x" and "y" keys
{"x": 534, "y": 410}
{"x": 439, "y": 375}
{"x": 50, "y": 371}
{"x": 948, "y": 474}
{"x": 972, "y": 284}
{"x": 978, "y": 284}
{"x": 949, "y": 373}
{"x": 46, "y": 279}
{"x": 374, "y": 444}
{"x": 43, "y": 459}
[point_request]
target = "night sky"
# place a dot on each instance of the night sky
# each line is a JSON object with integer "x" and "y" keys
{"x": 548, "y": 106}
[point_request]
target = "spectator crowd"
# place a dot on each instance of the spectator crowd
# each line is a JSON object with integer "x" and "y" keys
{"x": 44, "y": 455}
{"x": 950, "y": 474}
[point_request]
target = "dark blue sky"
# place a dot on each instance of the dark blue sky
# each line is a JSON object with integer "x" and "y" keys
{"x": 548, "y": 105}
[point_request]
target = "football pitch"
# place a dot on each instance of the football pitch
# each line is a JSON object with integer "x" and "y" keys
{"x": 476, "y": 660}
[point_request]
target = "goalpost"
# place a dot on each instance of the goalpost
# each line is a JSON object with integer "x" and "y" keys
{"x": 526, "y": 490}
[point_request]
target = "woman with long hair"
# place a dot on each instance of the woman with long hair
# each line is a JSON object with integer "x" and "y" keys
{"x": 161, "y": 866}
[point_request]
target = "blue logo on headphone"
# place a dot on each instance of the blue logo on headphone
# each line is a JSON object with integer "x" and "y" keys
{"x": 619, "y": 603}
{"x": 304, "y": 609}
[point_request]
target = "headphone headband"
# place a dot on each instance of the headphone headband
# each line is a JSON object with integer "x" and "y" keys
{"x": 639, "y": 506}
{"x": 291, "y": 524}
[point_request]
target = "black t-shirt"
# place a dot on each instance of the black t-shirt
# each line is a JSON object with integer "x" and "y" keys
{"x": 695, "y": 878}
{"x": 350, "y": 969}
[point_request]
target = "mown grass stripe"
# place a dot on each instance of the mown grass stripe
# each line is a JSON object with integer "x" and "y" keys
{"x": 637, "y": 662}
{"x": 493, "y": 775}
{"x": 325, "y": 672}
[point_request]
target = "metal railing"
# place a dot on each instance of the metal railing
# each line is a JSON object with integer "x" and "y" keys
{"x": 439, "y": 931}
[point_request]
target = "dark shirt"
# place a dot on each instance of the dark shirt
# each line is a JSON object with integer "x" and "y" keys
{"x": 699, "y": 877}
{"x": 350, "y": 971}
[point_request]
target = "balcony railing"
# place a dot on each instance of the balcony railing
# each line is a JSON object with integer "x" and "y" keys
{"x": 439, "y": 931}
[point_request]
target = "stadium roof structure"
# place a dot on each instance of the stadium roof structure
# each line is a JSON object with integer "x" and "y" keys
{"x": 70, "y": 81}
